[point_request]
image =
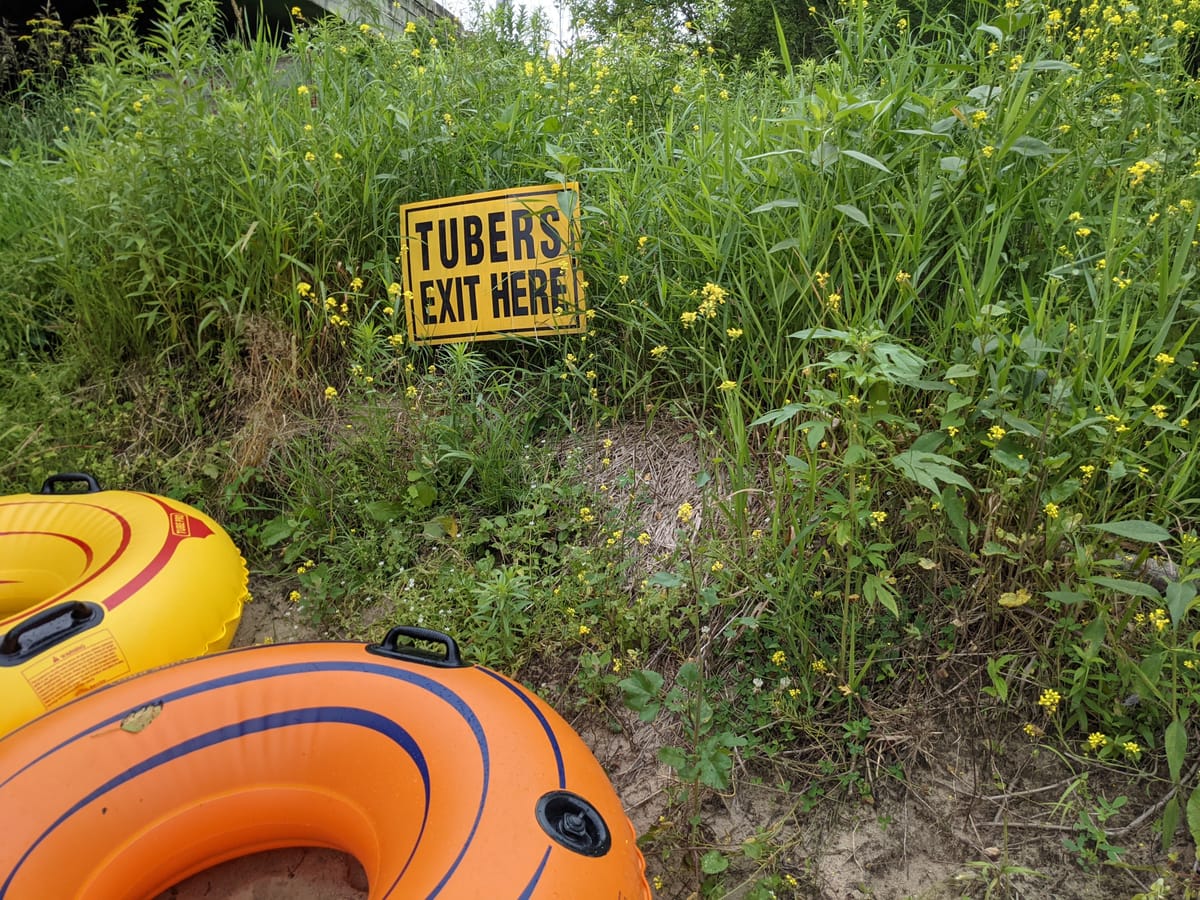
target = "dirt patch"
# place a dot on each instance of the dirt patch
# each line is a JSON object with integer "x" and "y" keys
{"x": 970, "y": 818}
{"x": 303, "y": 873}
{"x": 272, "y": 618}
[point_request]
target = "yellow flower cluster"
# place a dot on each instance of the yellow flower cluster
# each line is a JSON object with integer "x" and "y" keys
{"x": 1049, "y": 701}
{"x": 1139, "y": 170}
{"x": 712, "y": 296}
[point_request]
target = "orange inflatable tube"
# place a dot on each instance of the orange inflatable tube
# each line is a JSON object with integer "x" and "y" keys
{"x": 96, "y": 585}
{"x": 441, "y": 779}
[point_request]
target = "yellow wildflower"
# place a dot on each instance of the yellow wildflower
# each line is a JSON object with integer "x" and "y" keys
{"x": 1049, "y": 701}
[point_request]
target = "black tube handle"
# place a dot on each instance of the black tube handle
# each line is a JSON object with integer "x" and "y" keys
{"x": 93, "y": 486}
{"x": 47, "y": 628}
{"x": 391, "y": 647}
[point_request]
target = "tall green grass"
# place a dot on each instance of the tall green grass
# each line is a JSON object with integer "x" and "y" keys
{"x": 929, "y": 304}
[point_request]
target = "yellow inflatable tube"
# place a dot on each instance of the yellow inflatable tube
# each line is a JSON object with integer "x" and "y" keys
{"x": 96, "y": 585}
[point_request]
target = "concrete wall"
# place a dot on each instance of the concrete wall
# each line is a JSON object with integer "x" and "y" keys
{"x": 390, "y": 14}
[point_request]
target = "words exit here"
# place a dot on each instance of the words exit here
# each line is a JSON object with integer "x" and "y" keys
{"x": 492, "y": 265}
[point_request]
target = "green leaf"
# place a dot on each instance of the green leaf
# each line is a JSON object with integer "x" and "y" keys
{"x": 853, "y": 212}
{"x": 955, "y": 510}
{"x": 815, "y": 432}
{"x": 954, "y": 164}
{"x": 667, "y": 580}
{"x": 1067, "y": 598}
{"x": 1125, "y": 586}
{"x": 778, "y": 416}
{"x": 1175, "y": 744}
{"x": 278, "y": 529}
{"x": 869, "y": 160}
{"x": 1170, "y": 822}
{"x": 898, "y": 364}
{"x": 855, "y": 454}
{"x": 797, "y": 465}
{"x": 930, "y": 470}
{"x": 781, "y": 203}
{"x": 1032, "y": 147}
{"x": 1135, "y": 530}
{"x": 1179, "y": 599}
{"x": 807, "y": 334}
{"x": 675, "y": 758}
{"x": 1094, "y": 634}
{"x": 640, "y": 691}
{"x": 688, "y": 675}
{"x": 877, "y": 590}
{"x": 824, "y": 155}
{"x": 1053, "y": 65}
{"x": 1193, "y": 819}
{"x": 713, "y": 862}
{"x": 992, "y": 548}
{"x": 714, "y": 765}
{"x": 385, "y": 510}
{"x": 1011, "y": 461}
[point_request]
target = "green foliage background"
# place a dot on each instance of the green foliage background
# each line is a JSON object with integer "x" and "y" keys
{"x": 921, "y": 310}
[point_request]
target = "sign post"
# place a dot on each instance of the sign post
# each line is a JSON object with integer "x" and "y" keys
{"x": 482, "y": 267}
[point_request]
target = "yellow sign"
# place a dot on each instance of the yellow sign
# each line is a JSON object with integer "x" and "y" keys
{"x": 487, "y": 266}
